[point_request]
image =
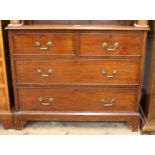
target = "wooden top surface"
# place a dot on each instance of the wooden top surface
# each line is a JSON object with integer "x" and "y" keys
{"x": 75, "y": 27}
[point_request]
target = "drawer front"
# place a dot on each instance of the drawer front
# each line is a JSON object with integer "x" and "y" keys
{"x": 112, "y": 71}
{"x": 110, "y": 44}
{"x": 77, "y": 99}
{"x": 55, "y": 43}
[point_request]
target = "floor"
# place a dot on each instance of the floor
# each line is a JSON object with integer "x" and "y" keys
{"x": 71, "y": 128}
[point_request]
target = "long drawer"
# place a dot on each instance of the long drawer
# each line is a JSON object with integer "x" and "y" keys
{"x": 110, "y": 43}
{"x": 77, "y": 99}
{"x": 80, "y": 71}
{"x": 43, "y": 43}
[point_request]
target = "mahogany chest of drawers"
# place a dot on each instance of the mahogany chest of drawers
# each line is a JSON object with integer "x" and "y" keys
{"x": 77, "y": 73}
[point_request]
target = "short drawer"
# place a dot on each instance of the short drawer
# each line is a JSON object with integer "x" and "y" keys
{"x": 91, "y": 71}
{"x": 110, "y": 44}
{"x": 54, "y": 43}
{"x": 77, "y": 99}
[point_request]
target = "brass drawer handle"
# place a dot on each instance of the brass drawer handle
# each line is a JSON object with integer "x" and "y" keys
{"x": 39, "y": 71}
{"x": 104, "y": 72}
{"x": 38, "y": 44}
{"x": 41, "y": 101}
{"x": 112, "y": 102}
{"x": 105, "y": 45}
